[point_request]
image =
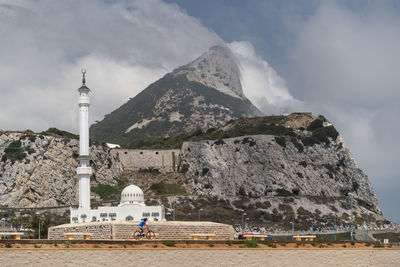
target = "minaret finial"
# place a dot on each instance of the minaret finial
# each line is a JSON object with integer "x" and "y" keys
{"x": 83, "y": 76}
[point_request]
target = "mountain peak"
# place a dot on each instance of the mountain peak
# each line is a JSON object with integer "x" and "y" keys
{"x": 217, "y": 69}
{"x": 203, "y": 94}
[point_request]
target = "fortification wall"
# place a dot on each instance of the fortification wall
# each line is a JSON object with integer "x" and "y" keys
{"x": 136, "y": 159}
{"x": 124, "y": 230}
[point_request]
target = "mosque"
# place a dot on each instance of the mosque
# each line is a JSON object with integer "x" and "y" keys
{"x": 132, "y": 206}
{"x": 120, "y": 222}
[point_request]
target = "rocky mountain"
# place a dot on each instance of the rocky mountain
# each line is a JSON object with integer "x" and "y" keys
{"x": 277, "y": 169}
{"x": 203, "y": 94}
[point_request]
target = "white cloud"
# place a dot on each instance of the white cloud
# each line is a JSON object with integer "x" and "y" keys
{"x": 125, "y": 45}
{"x": 345, "y": 65}
{"x": 262, "y": 85}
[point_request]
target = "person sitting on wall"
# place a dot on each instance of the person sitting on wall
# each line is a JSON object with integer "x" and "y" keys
{"x": 142, "y": 226}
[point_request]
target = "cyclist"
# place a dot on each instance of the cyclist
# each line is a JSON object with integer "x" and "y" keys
{"x": 142, "y": 226}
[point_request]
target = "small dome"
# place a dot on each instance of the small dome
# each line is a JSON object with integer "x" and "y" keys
{"x": 132, "y": 194}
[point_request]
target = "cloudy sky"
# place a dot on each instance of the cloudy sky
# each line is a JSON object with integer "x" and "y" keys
{"x": 337, "y": 58}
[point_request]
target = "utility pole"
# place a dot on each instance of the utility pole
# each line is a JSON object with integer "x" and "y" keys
{"x": 293, "y": 228}
{"x": 174, "y": 210}
{"x": 37, "y": 213}
{"x": 312, "y": 227}
{"x": 243, "y": 214}
{"x": 199, "y": 213}
{"x": 335, "y": 227}
{"x": 367, "y": 222}
{"x": 174, "y": 207}
{"x": 351, "y": 204}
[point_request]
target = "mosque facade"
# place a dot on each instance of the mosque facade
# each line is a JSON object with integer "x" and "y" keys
{"x": 132, "y": 206}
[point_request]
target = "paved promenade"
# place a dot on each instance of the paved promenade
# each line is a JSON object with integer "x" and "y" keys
{"x": 196, "y": 257}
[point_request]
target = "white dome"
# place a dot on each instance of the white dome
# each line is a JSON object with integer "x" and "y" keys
{"x": 132, "y": 194}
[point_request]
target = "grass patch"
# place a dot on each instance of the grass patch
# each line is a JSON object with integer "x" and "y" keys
{"x": 270, "y": 244}
{"x": 379, "y": 245}
{"x": 149, "y": 170}
{"x": 167, "y": 189}
{"x": 283, "y": 193}
{"x": 56, "y": 132}
{"x": 106, "y": 192}
{"x": 251, "y": 243}
{"x": 169, "y": 243}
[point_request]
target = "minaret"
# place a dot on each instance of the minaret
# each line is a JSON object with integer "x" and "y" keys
{"x": 84, "y": 170}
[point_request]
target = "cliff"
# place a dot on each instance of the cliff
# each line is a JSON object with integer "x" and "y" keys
{"x": 277, "y": 169}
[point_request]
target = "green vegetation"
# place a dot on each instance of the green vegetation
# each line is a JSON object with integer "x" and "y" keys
{"x": 320, "y": 133}
{"x": 112, "y": 128}
{"x": 150, "y": 170}
{"x": 280, "y": 141}
{"x": 303, "y": 163}
{"x": 393, "y": 237}
{"x": 60, "y": 133}
{"x": 167, "y": 189}
{"x": 169, "y": 243}
{"x": 283, "y": 193}
{"x": 270, "y": 244}
{"x": 379, "y": 245}
{"x": 297, "y": 144}
{"x": 251, "y": 243}
{"x": 249, "y": 126}
{"x": 106, "y": 192}
{"x": 14, "y": 152}
{"x": 316, "y": 124}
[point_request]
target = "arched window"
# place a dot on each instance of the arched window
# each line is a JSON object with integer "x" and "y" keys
{"x": 129, "y": 218}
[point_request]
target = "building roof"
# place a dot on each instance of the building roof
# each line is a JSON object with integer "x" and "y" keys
{"x": 132, "y": 194}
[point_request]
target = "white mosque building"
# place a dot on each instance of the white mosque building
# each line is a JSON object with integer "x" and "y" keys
{"x": 132, "y": 206}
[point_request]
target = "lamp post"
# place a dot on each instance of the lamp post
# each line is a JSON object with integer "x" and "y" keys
{"x": 174, "y": 203}
{"x": 351, "y": 205}
{"x": 37, "y": 213}
{"x": 4, "y": 223}
{"x": 366, "y": 211}
{"x": 243, "y": 214}
{"x": 335, "y": 227}
{"x": 293, "y": 228}
{"x": 312, "y": 227}
{"x": 199, "y": 213}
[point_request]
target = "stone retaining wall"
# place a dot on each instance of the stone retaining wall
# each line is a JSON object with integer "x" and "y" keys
{"x": 124, "y": 230}
{"x": 137, "y": 159}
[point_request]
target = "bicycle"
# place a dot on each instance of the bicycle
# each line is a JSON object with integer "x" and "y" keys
{"x": 149, "y": 234}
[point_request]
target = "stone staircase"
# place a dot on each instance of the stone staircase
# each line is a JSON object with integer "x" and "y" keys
{"x": 117, "y": 230}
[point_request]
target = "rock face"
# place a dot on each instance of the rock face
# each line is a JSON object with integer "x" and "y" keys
{"x": 45, "y": 174}
{"x": 257, "y": 166}
{"x": 203, "y": 94}
{"x": 277, "y": 169}
{"x": 215, "y": 69}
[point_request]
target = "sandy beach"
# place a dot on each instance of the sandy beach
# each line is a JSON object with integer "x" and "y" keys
{"x": 198, "y": 257}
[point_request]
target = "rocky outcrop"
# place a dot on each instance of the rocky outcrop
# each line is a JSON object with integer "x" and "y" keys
{"x": 203, "y": 94}
{"x": 258, "y": 166}
{"x": 41, "y": 170}
{"x": 277, "y": 169}
{"x": 216, "y": 69}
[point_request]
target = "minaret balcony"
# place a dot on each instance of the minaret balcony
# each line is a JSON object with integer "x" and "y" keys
{"x": 84, "y": 157}
{"x": 84, "y": 170}
{"x": 84, "y": 100}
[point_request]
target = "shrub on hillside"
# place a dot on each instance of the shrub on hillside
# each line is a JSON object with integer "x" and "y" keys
{"x": 167, "y": 189}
